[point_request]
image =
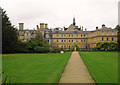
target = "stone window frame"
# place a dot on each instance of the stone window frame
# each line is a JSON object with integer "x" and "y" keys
{"x": 84, "y": 41}
{"x": 81, "y": 41}
{"x": 84, "y": 35}
{"x": 64, "y": 35}
{"x": 102, "y": 39}
{"x": 72, "y": 41}
{"x": 112, "y": 32}
{"x": 102, "y": 32}
{"x": 69, "y": 40}
{"x": 107, "y": 39}
{"x": 112, "y": 39}
{"x": 64, "y": 40}
{"x": 69, "y": 35}
{"x": 69, "y": 47}
{"x": 76, "y": 35}
{"x": 72, "y": 35}
{"x": 64, "y": 46}
{"x": 76, "y": 40}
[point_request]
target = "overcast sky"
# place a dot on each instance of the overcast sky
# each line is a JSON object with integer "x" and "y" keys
{"x": 60, "y": 13}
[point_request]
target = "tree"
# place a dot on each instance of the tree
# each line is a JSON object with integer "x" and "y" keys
{"x": 38, "y": 44}
{"x": 9, "y": 35}
{"x": 118, "y": 28}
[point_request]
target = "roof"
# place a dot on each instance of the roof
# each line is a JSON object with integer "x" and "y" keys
{"x": 70, "y": 32}
{"x": 105, "y": 28}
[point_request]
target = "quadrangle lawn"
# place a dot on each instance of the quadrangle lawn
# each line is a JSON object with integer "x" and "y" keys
{"x": 103, "y": 66}
{"x": 34, "y": 68}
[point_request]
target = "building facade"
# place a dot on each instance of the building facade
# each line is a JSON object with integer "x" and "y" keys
{"x": 70, "y": 36}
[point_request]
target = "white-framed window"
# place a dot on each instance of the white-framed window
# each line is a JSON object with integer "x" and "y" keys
{"x": 64, "y": 40}
{"x": 102, "y": 32}
{"x": 81, "y": 41}
{"x": 112, "y": 32}
{"x": 81, "y": 47}
{"x": 102, "y": 39}
{"x": 69, "y": 47}
{"x": 57, "y": 35}
{"x": 77, "y": 35}
{"x": 112, "y": 39}
{"x": 64, "y": 46}
{"x": 72, "y": 40}
{"x": 84, "y": 35}
{"x": 64, "y": 35}
{"x": 107, "y": 39}
{"x": 81, "y": 35}
{"x": 72, "y": 35}
{"x": 107, "y": 32}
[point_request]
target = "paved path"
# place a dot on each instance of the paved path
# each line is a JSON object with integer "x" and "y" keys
{"x": 76, "y": 71}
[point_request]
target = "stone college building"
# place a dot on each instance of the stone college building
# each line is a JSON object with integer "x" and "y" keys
{"x": 70, "y": 36}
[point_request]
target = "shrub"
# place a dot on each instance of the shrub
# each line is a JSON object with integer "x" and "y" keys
{"x": 77, "y": 47}
{"x": 38, "y": 49}
{"x": 107, "y": 46}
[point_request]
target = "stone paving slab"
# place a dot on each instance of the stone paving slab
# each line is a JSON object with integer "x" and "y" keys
{"x": 76, "y": 71}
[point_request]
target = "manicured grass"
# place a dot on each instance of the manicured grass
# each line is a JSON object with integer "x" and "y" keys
{"x": 103, "y": 66}
{"x": 34, "y": 68}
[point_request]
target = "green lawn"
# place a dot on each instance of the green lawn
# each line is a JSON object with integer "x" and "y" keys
{"x": 34, "y": 68}
{"x": 103, "y": 66}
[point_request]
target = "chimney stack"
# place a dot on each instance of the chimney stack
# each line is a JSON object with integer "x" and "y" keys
{"x": 41, "y": 25}
{"x": 21, "y": 26}
{"x": 37, "y": 27}
{"x": 103, "y": 25}
{"x": 46, "y": 25}
{"x": 96, "y": 28}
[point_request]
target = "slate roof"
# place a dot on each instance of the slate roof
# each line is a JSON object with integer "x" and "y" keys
{"x": 70, "y": 32}
{"x": 105, "y": 28}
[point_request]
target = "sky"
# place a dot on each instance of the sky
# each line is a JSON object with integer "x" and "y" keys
{"x": 59, "y": 13}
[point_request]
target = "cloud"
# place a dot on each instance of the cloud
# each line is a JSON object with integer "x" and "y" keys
{"x": 59, "y": 13}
